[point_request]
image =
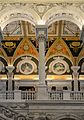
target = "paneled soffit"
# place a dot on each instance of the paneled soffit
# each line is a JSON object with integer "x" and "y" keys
{"x": 44, "y": 12}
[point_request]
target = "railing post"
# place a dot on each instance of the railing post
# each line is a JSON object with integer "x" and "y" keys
{"x": 75, "y": 75}
{"x": 17, "y": 95}
{"x": 10, "y": 76}
{"x": 66, "y": 95}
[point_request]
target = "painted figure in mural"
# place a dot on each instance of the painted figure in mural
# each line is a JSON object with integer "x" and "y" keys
{"x": 59, "y": 67}
{"x": 26, "y": 68}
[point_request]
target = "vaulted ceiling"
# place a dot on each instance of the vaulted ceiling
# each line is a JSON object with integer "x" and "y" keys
{"x": 42, "y": 13}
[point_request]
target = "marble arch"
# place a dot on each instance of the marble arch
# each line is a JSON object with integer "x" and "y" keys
{"x": 27, "y": 12}
{"x": 70, "y": 116}
{"x": 12, "y": 13}
{"x": 28, "y": 55}
{"x": 64, "y": 12}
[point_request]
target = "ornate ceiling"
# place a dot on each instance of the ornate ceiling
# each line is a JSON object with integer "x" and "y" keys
{"x": 63, "y": 48}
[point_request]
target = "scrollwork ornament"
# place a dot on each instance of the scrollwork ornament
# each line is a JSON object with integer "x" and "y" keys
{"x": 1, "y": 118}
{"x": 8, "y": 113}
{"x": 20, "y": 117}
{"x": 41, "y": 37}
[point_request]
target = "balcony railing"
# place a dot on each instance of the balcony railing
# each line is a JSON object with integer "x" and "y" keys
{"x": 7, "y": 95}
{"x": 56, "y": 95}
{"x": 66, "y": 95}
{"x": 19, "y": 95}
{"x": 28, "y": 95}
{"x": 32, "y": 95}
{"x": 76, "y": 95}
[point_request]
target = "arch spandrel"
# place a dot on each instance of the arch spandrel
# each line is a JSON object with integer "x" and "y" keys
{"x": 58, "y": 48}
{"x": 25, "y": 47}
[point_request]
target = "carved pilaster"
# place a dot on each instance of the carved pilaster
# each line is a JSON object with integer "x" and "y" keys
{"x": 75, "y": 75}
{"x": 10, "y": 76}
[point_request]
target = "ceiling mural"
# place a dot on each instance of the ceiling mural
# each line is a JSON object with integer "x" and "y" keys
{"x": 70, "y": 29}
{"x": 13, "y": 29}
{"x": 21, "y": 28}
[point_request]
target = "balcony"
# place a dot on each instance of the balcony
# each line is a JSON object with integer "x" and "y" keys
{"x": 32, "y": 95}
{"x": 25, "y": 104}
{"x": 66, "y": 95}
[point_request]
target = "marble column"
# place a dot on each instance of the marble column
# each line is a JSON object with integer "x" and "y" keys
{"x": 41, "y": 38}
{"x": 10, "y": 76}
{"x": 75, "y": 76}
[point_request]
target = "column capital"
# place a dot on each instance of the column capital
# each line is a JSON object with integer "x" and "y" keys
{"x": 41, "y": 32}
{"x": 75, "y": 68}
{"x": 10, "y": 68}
{"x": 41, "y": 38}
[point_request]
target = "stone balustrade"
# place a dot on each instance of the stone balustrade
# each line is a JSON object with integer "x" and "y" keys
{"x": 28, "y": 95}
{"x": 66, "y": 95}
{"x": 32, "y": 95}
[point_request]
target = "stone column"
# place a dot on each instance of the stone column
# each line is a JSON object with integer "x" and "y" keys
{"x": 10, "y": 76}
{"x": 42, "y": 40}
{"x": 41, "y": 37}
{"x": 75, "y": 75}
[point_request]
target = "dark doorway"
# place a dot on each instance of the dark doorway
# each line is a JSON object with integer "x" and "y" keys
{"x": 27, "y": 88}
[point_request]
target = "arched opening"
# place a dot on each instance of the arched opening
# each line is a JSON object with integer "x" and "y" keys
{"x": 67, "y": 119}
{"x": 19, "y": 28}
{"x": 63, "y": 28}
